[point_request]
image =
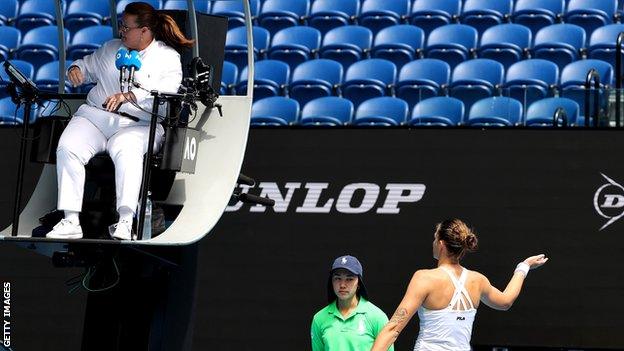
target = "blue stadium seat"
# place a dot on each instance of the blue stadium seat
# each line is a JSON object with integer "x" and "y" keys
{"x": 452, "y": 43}
{"x": 400, "y": 44}
{"x": 379, "y": 14}
{"x": 367, "y": 79}
{"x": 270, "y": 79}
{"x": 236, "y": 45}
{"x": 590, "y": 14}
{"x": 602, "y": 42}
{"x": 274, "y": 111}
{"x": 537, "y": 14}
{"x": 506, "y": 43}
{"x": 422, "y": 79}
{"x": 327, "y": 111}
{"x": 431, "y": 14}
{"x": 314, "y": 79}
{"x": 82, "y": 14}
{"x": 573, "y": 81}
{"x": 279, "y": 14}
{"x": 295, "y": 45}
{"x": 9, "y": 115}
{"x": 497, "y": 111}
{"x": 541, "y": 113}
{"x": 8, "y": 11}
{"x": 40, "y": 45}
{"x": 530, "y": 80}
{"x": 441, "y": 111}
{"x": 9, "y": 40}
{"x": 326, "y": 15}
{"x": 87, "y": 40}
{"x": 559, "y": 43}
{"x": 476, "y": 79}
{"x": 36, "y": 13}
{"x": 382, "y": 111}
{"x": 483, "y": 14}
{"x": 347, "y": 44}
{"x": 202, "y": 6}
{"x": 229, "y": 74}
{"x": 121, "y": 5}
{"x": 47, "y": 77}
{"x": 234, "y": 11}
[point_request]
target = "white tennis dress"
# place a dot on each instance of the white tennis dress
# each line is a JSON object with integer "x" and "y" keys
{"x": 449, "y": 328}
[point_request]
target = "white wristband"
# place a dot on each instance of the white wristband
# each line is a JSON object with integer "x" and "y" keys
{"x": 522, "y": 268}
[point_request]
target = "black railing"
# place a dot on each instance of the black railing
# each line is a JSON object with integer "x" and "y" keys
{"x": 592, "y": 76}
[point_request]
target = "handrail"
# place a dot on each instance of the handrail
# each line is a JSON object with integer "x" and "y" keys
{"x": 560, "y": 114}
{"x": 592, "y": 76}
{"x": 618, "y": 77}
{"x": 60, "y": 26}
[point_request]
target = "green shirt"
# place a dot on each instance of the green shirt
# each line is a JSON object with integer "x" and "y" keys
{"x": 331, "y": 332}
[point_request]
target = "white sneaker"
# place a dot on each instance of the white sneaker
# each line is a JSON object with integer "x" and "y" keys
{"x": 123, "y": 230}
{"x": 65, "y": 229}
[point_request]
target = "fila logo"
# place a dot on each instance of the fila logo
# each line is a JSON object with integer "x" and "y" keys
{"x": 609, "y": 201}
{"x": 355, "y": 198}
{"x": 461, "y": 318}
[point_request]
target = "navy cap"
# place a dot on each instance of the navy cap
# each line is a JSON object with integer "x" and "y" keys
{"x": 349, "y": 263}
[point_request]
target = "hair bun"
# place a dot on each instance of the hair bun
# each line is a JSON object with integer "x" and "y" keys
{"x": 470, "y": 242}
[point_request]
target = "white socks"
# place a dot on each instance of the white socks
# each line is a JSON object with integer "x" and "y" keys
{"x": 72, "y": 216}
{"x": 125, "y": 213}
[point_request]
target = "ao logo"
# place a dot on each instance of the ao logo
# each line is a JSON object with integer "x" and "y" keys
{"x": 190, "y": 149}
{"x": 609, "y": 201}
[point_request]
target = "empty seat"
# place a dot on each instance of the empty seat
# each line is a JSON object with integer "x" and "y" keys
{"x": 497, "y": 111}
{"x": 505, "y": 43}
{"x": 431, "y": 14}
{"x": 234, "y": 11}
{"x": 274, "y": 111}
{"x": 379, "y": 14}
{"x": 9, "y": 115}
{"x": 400, "y": 44}
{"x": 368, "y": 79}
{"x": 36, "y": 13}
{"x": 537, "y": 14}
{"x": 87, "y": 40}
{"x": 121, "y": 5}
{"x": 229, "y": 74}
{"x": 40, "y": 45}
{"x": 279, "y": 14}
{"x": 326, "y": 15}
{"x": 295, "y": 45}
{"x": 314, "y": 79}
{"x": 590, "y": 14}
{"x": 8, "y": 11}
{"x": 476, "y": 79}
{"x": 327, "y": 111}
{"x": 422, "y": 79}
{"x": 270, "y": 79}
{"x": 439, "y": 111}
{"x": 573, "y": 79}
{"x": 347, "y": 44}
{"x": 530, "y": 80}
{"x": 9, "y": 40}
{"x": 483, "y": 14}
{"x": 559, "y": 43}
{"x": 541, "y": 113}
{"x": 236, "y": 45}
{"x": 452, "y": 43}
{"x": 200, "y": 5}
{"x": 381, "y": 112}
{"x": 47, "y": 77}
{"x": 82, "y": 14}
{"x": 602, "y": 42}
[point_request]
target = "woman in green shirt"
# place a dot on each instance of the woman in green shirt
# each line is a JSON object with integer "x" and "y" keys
{"x": 350, "y": 322}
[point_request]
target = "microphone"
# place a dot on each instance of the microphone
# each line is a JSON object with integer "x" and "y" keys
{"x": 121, "y": 64}
{"x": 134, "y": 63}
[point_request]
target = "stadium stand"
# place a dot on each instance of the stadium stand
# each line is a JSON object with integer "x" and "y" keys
{"x": 442, "y": 111}
{"x": 327, "y": 111}
{"x": 315, "y": 79}
{"x": 274, "y": 111}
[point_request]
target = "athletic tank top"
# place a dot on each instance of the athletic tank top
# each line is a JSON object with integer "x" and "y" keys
{"x": 449, "y": 328}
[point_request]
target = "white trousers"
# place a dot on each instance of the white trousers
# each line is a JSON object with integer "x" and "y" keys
{"x": 92, "y": 131}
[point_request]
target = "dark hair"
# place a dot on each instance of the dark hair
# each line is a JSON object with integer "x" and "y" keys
{"x": 457, "y": 236}
{"x": 161, "y": 24}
